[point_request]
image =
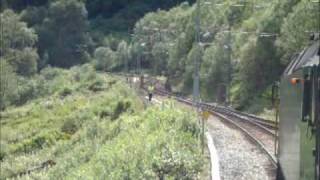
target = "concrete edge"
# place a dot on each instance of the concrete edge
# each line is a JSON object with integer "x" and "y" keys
{"x": 214, "y": 159}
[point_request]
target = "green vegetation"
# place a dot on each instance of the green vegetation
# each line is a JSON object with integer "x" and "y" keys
{"x": 89, "y": 125}
{"x": 246, "y": 61}
{"x": 7, "y": 89}
{"x": 69, "y": 45}
{"x": 17, "y": 44}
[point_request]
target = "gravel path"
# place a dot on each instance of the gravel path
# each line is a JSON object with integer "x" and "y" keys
{"x": 239, "y": 159}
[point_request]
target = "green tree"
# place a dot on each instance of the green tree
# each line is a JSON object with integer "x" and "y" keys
{"x": 18, "y": 43}
{"x": 160, "y": 53}
{"x": 215, "y": 69}
{"x": 194, "y": 56}
{"x": 258, "y": 56}
{"x": 8, "y": 88}
{"x": 34, "y": 16}
{"x": 123, "y": 55}
{"x": 105, "y": 59}
{"x": 178, "y": 56}
{"x": 19, "y": 5}
{"x": 65, "y": 33}
{"x": 297, "y": 27}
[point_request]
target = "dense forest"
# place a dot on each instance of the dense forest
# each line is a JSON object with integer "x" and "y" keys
{"x": 35, "y": 34}
{"x": 244, "y": 45}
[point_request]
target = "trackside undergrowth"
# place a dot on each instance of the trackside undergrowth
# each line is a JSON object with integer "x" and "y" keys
{"x": 97, "y": 129}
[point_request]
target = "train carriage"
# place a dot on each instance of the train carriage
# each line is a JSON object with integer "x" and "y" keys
{"x": 299, "y": 126}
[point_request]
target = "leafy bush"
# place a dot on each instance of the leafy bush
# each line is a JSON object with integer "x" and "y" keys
{"x": 189, "y": 126}
{"x": 27, "y": 90}
{"x": 18, "y": 44}
{"x": 122, "y": 106}
{"x": 2, "y": 154}
{"x": 170, "y": 152}
{"x": 39, "y": 142}
{"x": 8, "y": 81}
{"x": 112, "y": 82}
{"x": 70, "y": 126}
{"x": 105, "y": 59}
{"x": 175, "y": 164}
{"x": 48, "y": 82}
{"x": 79, "y": 135}
{"x": 105, "y": 113}
{"x": 84, "y": 73}
{"x": 97, "y": 85}
{"x": 3, "y": 151}
{"x": 26, "y": 64}
{"x": 65, "y": 92}
{"x": 50, "y": 73}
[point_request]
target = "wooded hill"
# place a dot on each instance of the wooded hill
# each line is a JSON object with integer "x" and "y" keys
{"x": 244, "y": 48}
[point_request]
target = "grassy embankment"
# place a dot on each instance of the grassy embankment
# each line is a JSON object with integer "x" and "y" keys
{"x": 92, "y": 126}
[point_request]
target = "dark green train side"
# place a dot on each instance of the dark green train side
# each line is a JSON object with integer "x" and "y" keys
{"x": 299, "y": 126}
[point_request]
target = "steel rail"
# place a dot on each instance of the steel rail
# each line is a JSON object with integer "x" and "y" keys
{"x": 263, "y": 127}
{"x": 236, "y": 119}
{"x": 266, "y": 125}
{"x": 259, "y": 120}
{"x": 251, "y": 136}
{"x": 223, "y": 115}
{"x": 265, "y": 122}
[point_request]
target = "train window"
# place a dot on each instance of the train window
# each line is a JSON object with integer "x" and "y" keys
{"x": 307, "y": 96}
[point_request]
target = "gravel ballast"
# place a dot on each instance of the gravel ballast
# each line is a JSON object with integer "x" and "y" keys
{"x": 239, "y": 158}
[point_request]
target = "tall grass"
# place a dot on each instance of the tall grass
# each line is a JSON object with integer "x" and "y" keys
{"x": 96, "y": 134}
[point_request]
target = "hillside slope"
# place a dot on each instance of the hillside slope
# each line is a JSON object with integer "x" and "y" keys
{"x": 95, "y": 126}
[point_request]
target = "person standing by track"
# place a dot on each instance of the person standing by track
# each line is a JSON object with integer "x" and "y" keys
{"x": 150, "y": 91}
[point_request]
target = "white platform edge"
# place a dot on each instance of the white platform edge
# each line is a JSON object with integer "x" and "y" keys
{"x": 215, "y": 173}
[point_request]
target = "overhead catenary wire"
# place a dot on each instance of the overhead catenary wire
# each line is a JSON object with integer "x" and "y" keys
{"x": 1, "y": 62}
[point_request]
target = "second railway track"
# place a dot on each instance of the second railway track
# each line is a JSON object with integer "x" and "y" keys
{"x": 261, "y": 132}
{"x": 264, "y": 140}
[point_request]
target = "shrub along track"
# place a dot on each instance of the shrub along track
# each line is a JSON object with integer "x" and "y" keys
{"x": 239, "y": 158}
{"x": 260, "y": 132}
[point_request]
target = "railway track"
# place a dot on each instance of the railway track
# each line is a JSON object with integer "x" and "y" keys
{"x": 265, "y": 125}
{"x": 246, "y": 116}
{"x": 258, "y": 134}
{"x": 260, "y": 131}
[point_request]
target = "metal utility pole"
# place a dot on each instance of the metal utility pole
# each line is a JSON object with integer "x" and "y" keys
{"x": 127, "y": 63}
{"x": 1, "y": 68}
{"x": 229, "y": 67}
{"x": 196, "y": 79}
{"x": 127, "y": 52}
{"x": 196, "y": 60}
{"x": 141, "y": 77}
{"x": 139, "y": 56}
{"x": 139, "y": 64}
